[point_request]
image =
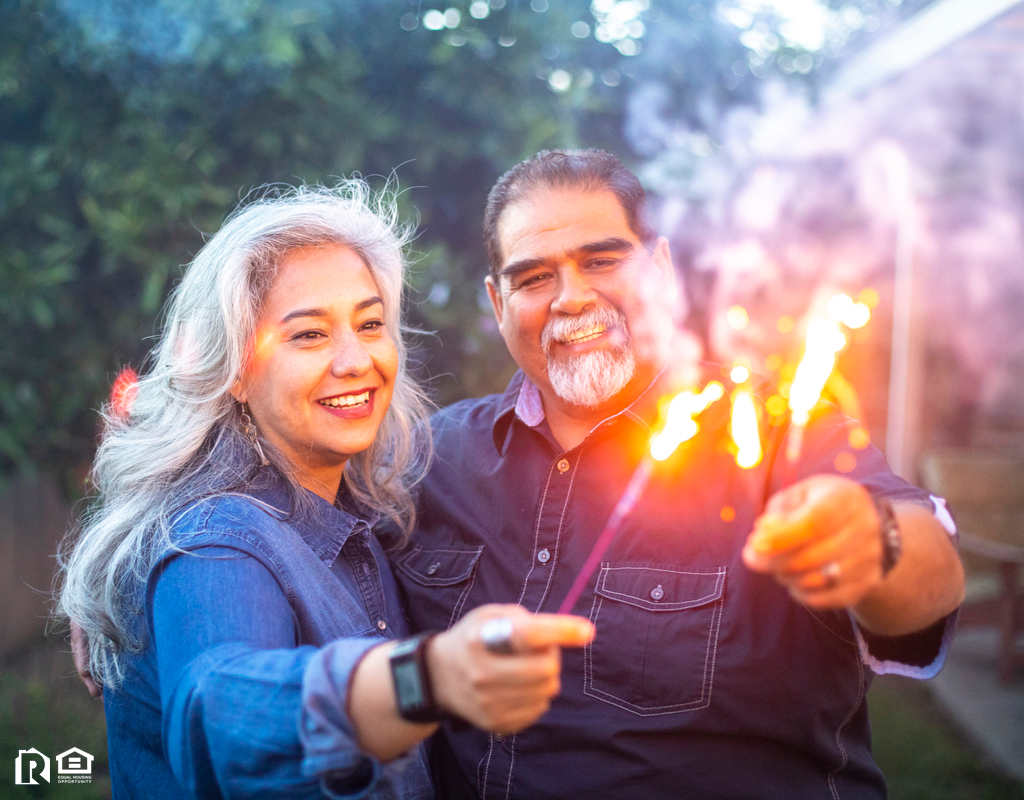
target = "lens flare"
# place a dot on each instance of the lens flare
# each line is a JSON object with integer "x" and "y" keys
{"x": 737, "y": 318}
{"x": 743, "y": 428}
{"x": 739, "y": 374}
{"x": 123, "y": 391}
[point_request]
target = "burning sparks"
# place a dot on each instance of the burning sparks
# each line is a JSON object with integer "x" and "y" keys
{"x": 737, "y": 318}
{"x": 824, "y": 341}
{"x": 680, "y": 424}
{"x": 744, "y": 430}
{"x": 842, "y": 308}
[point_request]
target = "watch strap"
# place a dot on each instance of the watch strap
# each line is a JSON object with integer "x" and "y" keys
{"x": 889, "y": 529}
{"x": 414, "y": 690}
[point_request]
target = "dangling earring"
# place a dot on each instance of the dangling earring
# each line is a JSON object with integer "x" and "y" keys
{"x": 249, "y": 429}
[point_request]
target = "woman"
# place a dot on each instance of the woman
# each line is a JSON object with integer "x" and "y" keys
{"x": 238, "y": 610}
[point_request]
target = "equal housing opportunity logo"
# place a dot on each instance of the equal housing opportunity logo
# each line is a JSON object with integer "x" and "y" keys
{"x": 73, "y": 766}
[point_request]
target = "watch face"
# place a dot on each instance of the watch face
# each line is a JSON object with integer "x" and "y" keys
{"x": 407, "y": 684}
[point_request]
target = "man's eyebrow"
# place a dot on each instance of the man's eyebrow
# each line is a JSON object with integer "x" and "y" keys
{"x": 613, "y": 245}
{"x": 323, "y": 312}
{"x": 516, "y": 267}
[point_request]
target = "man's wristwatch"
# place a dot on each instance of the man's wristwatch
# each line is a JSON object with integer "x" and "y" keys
{"x": 414, "y": 692}
{"x": 892, "y": 542}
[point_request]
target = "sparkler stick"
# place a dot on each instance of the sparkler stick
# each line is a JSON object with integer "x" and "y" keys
{"x": 679, "y": 426}
{"x": 622, "y": 508}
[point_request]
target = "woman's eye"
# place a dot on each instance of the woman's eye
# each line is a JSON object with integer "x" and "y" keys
{"x": 307, "y": 336}
{"x": 373, "y": 324}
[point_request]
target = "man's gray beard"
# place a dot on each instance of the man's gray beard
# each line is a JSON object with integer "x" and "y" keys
{"x": 590, "y": 379}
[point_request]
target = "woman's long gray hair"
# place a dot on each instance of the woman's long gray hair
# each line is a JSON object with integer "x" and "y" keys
{"x": 156, "y": 459}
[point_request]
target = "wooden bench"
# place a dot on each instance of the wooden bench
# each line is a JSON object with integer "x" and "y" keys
{"x": 985, "y": 493}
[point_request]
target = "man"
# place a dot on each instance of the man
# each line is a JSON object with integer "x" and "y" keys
{"x": 726, "y": 663}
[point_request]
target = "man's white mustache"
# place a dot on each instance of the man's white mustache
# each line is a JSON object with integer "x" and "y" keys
{"x": 564, "y": 329}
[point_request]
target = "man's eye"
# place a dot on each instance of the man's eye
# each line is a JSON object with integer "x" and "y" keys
{"x": 599, "y": 263}
{"x": 533, "y": 280}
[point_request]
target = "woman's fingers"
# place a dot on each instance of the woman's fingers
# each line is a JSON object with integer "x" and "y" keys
{"x": 501, "y": 665}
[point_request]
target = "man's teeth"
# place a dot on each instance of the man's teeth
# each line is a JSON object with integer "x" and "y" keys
{"x": 347, "y": 400}
{"x": 586, "y": 335}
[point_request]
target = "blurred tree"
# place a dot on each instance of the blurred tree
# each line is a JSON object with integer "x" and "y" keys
{"x": 129, "y": 129}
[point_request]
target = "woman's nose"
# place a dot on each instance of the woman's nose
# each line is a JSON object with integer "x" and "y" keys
{"x": 351, "y": 358}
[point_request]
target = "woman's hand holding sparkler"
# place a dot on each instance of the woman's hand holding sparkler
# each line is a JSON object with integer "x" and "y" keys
{"x": 500, "y": 667}
{"x": 821, "y": 538}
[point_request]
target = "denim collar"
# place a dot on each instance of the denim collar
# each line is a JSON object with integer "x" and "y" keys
{"x": 322, "y": 526}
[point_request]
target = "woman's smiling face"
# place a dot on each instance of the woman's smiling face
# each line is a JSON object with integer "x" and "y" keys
{"x": 323, "y": 364}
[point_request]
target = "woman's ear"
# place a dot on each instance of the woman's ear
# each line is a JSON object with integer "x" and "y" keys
{"x": 240, "y": 390}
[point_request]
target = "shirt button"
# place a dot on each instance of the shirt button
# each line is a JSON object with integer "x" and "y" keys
{"x": 433, "y": 568}
{"x": 544, "y": 556}
{"x": 657, "y": 593}
{"x": 381, "y": 624}
{"x": 499, "y": 737}
{"x": 563, "y": 464}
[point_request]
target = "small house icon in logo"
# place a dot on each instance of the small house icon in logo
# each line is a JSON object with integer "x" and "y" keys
{"x": 26, "y": 764}
{"x": 74, "y": 762}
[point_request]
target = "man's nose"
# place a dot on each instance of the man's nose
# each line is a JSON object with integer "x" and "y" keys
{"x": 351, "y": 358}
{"x": 574, "y": 292}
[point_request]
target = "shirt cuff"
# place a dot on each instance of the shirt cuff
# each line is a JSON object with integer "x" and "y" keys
{"x": 902, "y": 655}
{"x": 325, "y": 730}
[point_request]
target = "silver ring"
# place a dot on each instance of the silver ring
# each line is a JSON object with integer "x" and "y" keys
{"x": 496, "y": 634}
{"x": 830, "y": 572}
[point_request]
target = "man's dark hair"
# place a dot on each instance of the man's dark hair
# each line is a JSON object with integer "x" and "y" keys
{"x": 587, "y": 170}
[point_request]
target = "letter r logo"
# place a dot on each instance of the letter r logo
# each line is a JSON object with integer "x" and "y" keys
{"x": 26, "y": 765}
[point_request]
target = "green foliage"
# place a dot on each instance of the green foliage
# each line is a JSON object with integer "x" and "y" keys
{"x": 128, "y": 130}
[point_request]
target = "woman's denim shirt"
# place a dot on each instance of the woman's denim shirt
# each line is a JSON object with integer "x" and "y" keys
{"x": 252, "y": 636}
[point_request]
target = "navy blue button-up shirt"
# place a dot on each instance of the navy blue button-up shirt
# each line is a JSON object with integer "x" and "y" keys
{"x": 705, "y": 680}
{"x": 254, "y": 622}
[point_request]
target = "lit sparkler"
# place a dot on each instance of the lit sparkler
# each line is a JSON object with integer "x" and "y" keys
{"x": 824, "y": 341}
{"x": 680, "y": 426}
{"x": 744, "y": 430}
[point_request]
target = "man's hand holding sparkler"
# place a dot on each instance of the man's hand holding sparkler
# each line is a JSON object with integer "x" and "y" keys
{"x": 822, "y": 539}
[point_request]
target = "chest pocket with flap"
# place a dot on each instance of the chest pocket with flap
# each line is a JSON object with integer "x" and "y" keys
{"x": 657, "y": 636}
{"x": 437, "y": 582}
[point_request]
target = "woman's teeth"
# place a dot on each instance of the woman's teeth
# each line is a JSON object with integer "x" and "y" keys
{"x": 585, "y": 335}
{"x": 347, "y": 400}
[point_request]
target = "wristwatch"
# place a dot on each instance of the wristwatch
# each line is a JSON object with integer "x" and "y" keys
{"x": 892, "y": 542}
{"x": 414, "y": 693}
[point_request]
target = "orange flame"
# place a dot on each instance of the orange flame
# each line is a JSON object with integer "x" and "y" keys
{"x": 744, "y": 430}
{"x": 824, "y": 340}
{"x": 680, "y": 424}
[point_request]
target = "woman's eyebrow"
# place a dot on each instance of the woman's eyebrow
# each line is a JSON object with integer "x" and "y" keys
{"x": 323, "y": 312}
